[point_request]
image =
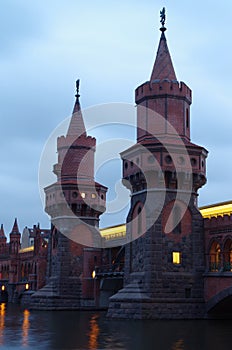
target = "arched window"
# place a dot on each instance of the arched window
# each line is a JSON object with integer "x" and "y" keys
{"x": 54, "y": 239}
{"x": 227, "y": 254}
{"x": 187, "y": 118}
{"x": 215, "y": 257}
{"x": 22, "y": 271}
{"x": 139, "y": 221}
{"x": 177, "y": 219}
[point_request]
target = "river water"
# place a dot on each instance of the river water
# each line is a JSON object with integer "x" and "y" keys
{"x": 37, "y": 330}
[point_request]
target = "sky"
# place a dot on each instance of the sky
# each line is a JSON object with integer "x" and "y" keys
{"x": 111, "y": 46}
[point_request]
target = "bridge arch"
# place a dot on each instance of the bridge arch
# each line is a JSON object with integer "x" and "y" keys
{"x": 220, "y": 305}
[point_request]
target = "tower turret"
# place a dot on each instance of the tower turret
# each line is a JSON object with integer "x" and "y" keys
{"x": 2, "y": 240}
{"x": 165, "y": 260}
{"x": 75, "y": 184}
{"x": 74, "y": 202}
{"x": 15, "y": 236}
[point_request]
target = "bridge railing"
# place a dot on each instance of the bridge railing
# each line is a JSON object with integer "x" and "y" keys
{"x": 215, "y": 267}
{"x": 222, "y": 264}
{"x": 228, "y": 266}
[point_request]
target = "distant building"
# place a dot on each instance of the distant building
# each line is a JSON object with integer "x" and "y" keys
{"x": 23, "y": 261}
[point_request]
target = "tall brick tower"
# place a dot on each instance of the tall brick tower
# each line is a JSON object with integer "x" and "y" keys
{"x": 164, "y": 170}
{"x": 74, "y": 202}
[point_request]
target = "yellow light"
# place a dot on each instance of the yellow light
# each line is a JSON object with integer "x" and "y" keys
{"x": 27, "y": 286}
{"x": 3, "y": 288}
{"x": 93, "y": 274}
{"x": 112, "y": 232}
{"x": 93, "y": 195}
{"x": 83, "y": 195}
{"x": 176, "y": 258}
{"x": 219, "y": 209}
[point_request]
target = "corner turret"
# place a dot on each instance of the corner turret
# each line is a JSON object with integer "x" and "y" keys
{"x": 15, "y": 237}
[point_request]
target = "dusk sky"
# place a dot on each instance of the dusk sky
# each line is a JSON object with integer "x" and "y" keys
{"x": 111, "y": 46}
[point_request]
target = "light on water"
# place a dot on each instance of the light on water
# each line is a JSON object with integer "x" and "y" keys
{"x": 40, "y": 330}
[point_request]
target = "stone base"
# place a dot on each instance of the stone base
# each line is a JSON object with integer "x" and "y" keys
{"x": 48, "y": 298}
{"x": 155, "y": 310}
{"x": 132, "y": 303}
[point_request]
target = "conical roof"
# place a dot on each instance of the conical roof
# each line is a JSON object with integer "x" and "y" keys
{"x": 76, "y": 127}
{"x": 2, "y": 233}
{"x": 15, "y": 228}
{"x": 163, "y": 67}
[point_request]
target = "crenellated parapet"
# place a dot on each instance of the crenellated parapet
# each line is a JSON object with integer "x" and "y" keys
{"x": 161, "y": 89}
{"x": 218, "y": 222}
{"x": 70, "y": 140}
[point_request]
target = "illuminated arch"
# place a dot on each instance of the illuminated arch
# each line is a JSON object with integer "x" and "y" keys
{"x": 215, "y": 262}
{"x": 227, "y": 254}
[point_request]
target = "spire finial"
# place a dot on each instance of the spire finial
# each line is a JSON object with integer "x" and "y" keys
{"x": 162, "y": 19}
{"x": 77, "y": 88}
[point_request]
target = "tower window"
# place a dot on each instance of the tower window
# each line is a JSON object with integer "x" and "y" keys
{"x": 187, "y": 118}
{"x": 177, "y": 219}
{"x": 74, "y": 194}
{"x": 187, "y": 292}
{"x": 139, "y": 221}
{"x": 83, "y": 194}
{"x": 193, "y": 161}
{"x": 83, "y": 210}
{"x": 176, "y": 258}
{"x": 74, "y": 208}
{"x": 168, "y": 159}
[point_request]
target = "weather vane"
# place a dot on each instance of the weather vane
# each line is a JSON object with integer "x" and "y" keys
{"x": 162, "y": 17}
{"x": 77, "y": 87}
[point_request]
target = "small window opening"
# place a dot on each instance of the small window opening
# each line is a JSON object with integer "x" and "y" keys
{"x": 187, "y": 292}
{"x": 177, "y": 219}
{"x": 176, "y": 258}
{"x": 187, "y": 118}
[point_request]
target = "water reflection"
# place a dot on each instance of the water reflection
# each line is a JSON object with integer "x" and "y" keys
{"x": 25, "y": 327}
{"x": 59, "y": 330}
{"x": 178, "y": 345}
{"x": 2, "y": 322}
{"x": 94, "y": 332}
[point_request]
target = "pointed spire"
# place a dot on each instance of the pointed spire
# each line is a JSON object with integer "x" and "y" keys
{"x": 15, "y": 228}
{"x": 76, "y": 126}
{"x": 163, "y": 67}
{"x": 2, "y": 233}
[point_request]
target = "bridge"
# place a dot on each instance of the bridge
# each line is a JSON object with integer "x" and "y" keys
{"x": 218, "y": 259}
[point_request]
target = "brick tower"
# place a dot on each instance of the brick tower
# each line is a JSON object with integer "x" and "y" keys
{"x": 164, "y": 170}
{"x": 74, "y": 202}
{"x": 14, "y": 247}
